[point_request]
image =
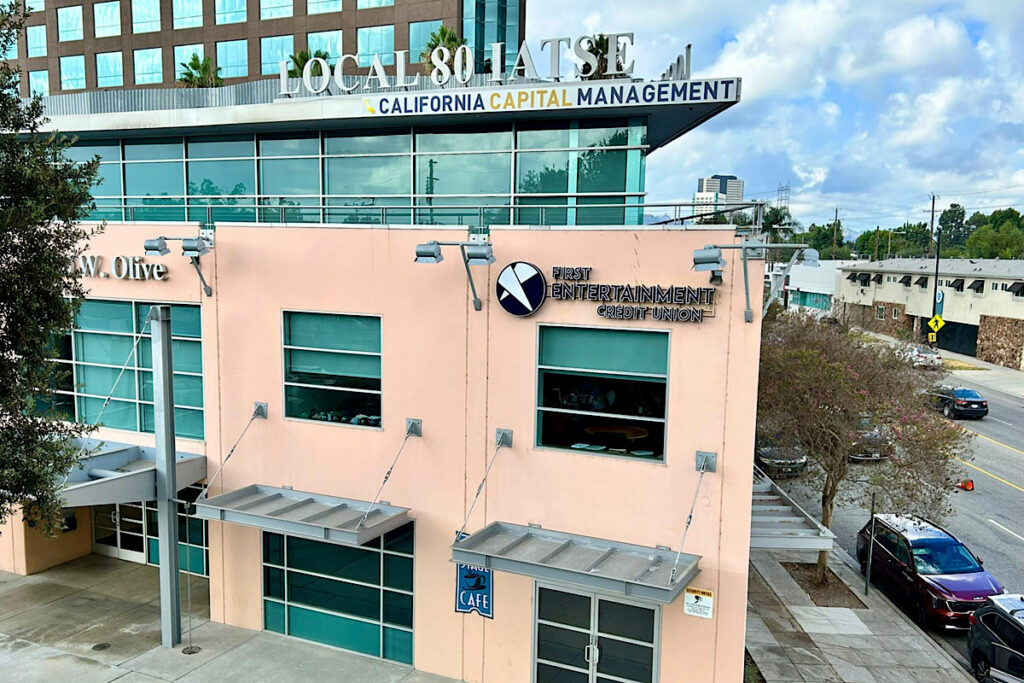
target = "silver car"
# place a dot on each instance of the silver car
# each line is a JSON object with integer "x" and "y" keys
{"x": 924, "y": 357}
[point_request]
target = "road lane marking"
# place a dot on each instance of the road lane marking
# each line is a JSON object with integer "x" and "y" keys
{"x": 1012, "y": 533}
{"x": 991, "y": 475}
{"x": 989, "y": 438}
{"x": 1003, "y": 422}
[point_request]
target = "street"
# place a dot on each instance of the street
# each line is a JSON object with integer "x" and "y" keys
{"x": 990, "y": 519}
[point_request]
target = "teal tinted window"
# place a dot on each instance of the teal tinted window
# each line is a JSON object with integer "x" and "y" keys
{"x": 35, "y": 38}
{"x": 187, "y": 13}
{"x": 290, "y": 177}
{"x": 273, "y": 582}
{"x": 85, "y": 151}
{"x": 72, "y": 72}
{"x": 340, "y": 561}
{"x": 108, "y": 181}
{"x": 604, "y": 349}
{"x": 165, "y": 179}
{"x": 186, "y": 356}
{"x": 275, "y": 49}
{"x": 106, "y": 316}
{"x": 604, "y": 134}
{"x": 368, "y": 144}
{"x": 419, "y": 35}
{"x": 367, "y": 4}
{"x": 368, "y": 175}
{"x": 602, "y": 171}
{"x": 308, "y": 145}
{"x": 107, "y": 349}
{"x": 153, "y": 150}
{"x": 149, "y": 66}
{"x": 232, "y": 57}
{"x": 325, "y": 41}
{"x": 220, "y": 147}
{"x": 221, "y": 178}
{"x": 400, "y": 540}
{"x": 322, "y": 6}
{"x": 463, "y": 173}
{"x": 546, "y": 138}
{"x": 335, "y": 596}
{"x": 338, "y": 631}
{"x": 183, "y": 55}
{"x": 185, "y": 320}
{"x": 542, "y": 172}
{"x": 398, "y": 572}
{"x": 39, "y": 83}
{"x": 103, "y": 381}
{"x": 340, "y": 332}
{"x": 398, "y": 645}
{"x": 464, "y": 142}
{"x": 398, "y": 608}
{"x": 229, "y": 12}
{"x": 187, "y": 423}
{"x": 188, "y": 389}
{"x": 117, "y": 414}
{"x": 376, "y": 40}
{"x": 145, "y": 16}
{"x": 273, "y": 548}
{"x": 69, "y": 23}
{"x": 273, "y": 616}
{"x": 275, "y": 9}
{"x": 107, "y": 18}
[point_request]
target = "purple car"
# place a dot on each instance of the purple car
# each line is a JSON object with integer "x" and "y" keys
{"x": 921, "y": 564}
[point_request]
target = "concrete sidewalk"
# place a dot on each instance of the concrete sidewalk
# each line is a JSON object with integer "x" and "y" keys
{"x": 97, "y": 619}
{"x": 791, "y": 639}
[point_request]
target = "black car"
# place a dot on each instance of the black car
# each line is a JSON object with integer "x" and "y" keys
{"x": 956, "y": 402}
{"x": 996, "y": 639}
{"x": 778, "y": 461}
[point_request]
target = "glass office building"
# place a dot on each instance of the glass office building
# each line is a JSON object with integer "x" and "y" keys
{"x": 398, "y": 280}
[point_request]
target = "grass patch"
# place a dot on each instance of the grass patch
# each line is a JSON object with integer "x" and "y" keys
{"x": 751, "y": 674}
{"x": 834, "y": 593}
{"x": 954, "y": 364}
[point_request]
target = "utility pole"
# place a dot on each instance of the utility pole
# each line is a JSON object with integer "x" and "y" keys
{"x": 835, "y": 229}
{"x": 888, "y": 249}
{"x": 876, "y": 244}
{"x": 931, "y": 227}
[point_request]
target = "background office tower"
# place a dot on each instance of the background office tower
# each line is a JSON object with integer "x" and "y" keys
{"x": 728, "y": 187}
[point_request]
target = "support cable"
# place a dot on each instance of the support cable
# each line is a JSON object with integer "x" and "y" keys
{"x": 257, "y": 412}
{"x": 479, "y": 489}
{"x": 689, "y": 518}
{"x": 387, "y": 475}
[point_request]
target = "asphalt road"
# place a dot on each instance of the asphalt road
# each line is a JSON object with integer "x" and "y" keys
{"x": 989, "y": 519}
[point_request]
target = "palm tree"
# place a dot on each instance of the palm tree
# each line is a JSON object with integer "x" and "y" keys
{"x": 200, "y": 73}
{"x": 446, "y": 37}
{"x": 599, "y": 48}
{"x": 300, "y": 58}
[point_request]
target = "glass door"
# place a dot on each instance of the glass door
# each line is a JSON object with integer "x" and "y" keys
{"x": 119, "y": 531}
{"x": 583, "y": 638}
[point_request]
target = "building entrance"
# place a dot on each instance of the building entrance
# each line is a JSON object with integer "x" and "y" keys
{"x": 119, "y": 531}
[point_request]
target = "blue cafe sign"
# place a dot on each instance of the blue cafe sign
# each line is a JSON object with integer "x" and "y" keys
{"x": 474, "y": 589}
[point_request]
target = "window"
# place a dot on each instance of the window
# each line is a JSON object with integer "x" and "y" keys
{"x": 109, "y": 70}
{"x": 232, "y": 59}
{"x": 35, "y": 39}
{"x": 602, "y": 391}
{"x": 290, "y": 177}
{"x": 879, "y": 312}
{"x": 275, "y": 9}
{"x": 895, "y": 313}
{"x": 332, "y": 368}
{"x": 72, "y": 72}
{"x": 39, "y": 82}
{"x": 378, "y": 40}
{"x": 187, "y": 13}
{"x": 193, "y": 535}
{"x": 322, "y": 6}
{"x": 69, "y": 23}
{"x": 145, "y": 16}
{"x": 149, "y": 66}
{"x": 358, "y": 599}
{"x": 1009, "y": 634}
{"x": 221, "y": 173}
{"x": 369, "y": 4}
{"x": 183, "y": 55}
{"x": 101, "y": 343}
{"x": 11, "y": 52}
{"x": 328, "y": 41}
{"x": 419, "y": 35}
{"x": 230, "y": 12}
{"x": 35, "y": 5}
{"x": 273, "y": 50}
{"x": 106, "y": 18}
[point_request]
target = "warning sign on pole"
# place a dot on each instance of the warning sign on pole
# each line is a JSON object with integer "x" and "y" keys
{"x": 699, "y": 602}
{"x": 936, "y": 323}
{"x": 932, "y": 337}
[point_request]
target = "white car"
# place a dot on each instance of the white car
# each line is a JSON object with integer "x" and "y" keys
{"x": 923, "y": 357}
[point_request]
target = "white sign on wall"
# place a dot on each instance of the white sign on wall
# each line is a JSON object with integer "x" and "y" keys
{"x": 698, "y": 602}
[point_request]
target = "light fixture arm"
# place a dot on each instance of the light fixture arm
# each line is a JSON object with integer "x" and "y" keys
{"x": 777, "y": 284}
{"x": 748, "y": 251}
{"x": 472, "y": 286}
{"x": 195, "y": 264}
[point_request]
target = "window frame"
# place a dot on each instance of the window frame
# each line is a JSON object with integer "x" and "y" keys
{"x": 35, "y": 29}
{"x": 284, "y": 369}
{"x": 157, "y": 22}
{"x": 536, "y": 408}
{"x": 81, "y": 23}
{"x": 879, "y": 312}
{"x": 180, "y": 21}
{"x": 95, "y": 23}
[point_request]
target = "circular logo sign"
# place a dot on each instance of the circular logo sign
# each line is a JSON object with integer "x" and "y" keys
{"x": 939, "y": 296}
{"x": 521, "y": 288}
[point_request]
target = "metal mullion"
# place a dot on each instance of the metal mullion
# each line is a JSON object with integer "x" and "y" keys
{"x": 289, "y": 347}
{"x": 317, "y": 386}
{"x": 176, "y": 372}
{"x": 560, "y": 665}
{"x": 351, "y": 581}
{"x": 576, "y": 149}
{"x": 623, "y": 639}
{"x": 602, "y": 372}
{"x": 380, "y": 601}
{"x": 642, "y": 418}
{"x": 567, "y": 627}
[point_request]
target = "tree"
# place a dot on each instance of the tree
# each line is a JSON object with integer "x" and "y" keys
{"x": 200, "y": 73}
{"x": 778, "y": 225}
{"x": 952, "y": 224}
{"x": 599, "y": 47}
{"x": 1005, "y": 242}
{"x": 300, "y": 58}
{"x": 45, "y": 197}
{"x": 817, "y": 382}
{"x": 442, "y": 37}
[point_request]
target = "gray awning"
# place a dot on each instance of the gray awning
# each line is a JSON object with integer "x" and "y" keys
{"x": 1016, "y": 287}
{"x": 864, "y": 278}
{"x": 905, "y": 280}
{"x": 123, "y": 473}
{"x": 977, "y": 285}
{"x": 957, "y": 284}
{"x": 877, "y": 277}
{"x": 851, "y": 277}
{"x": 921, "y": 281}
{"x": 592, "y": 563}
{"x": 311, "y": 515}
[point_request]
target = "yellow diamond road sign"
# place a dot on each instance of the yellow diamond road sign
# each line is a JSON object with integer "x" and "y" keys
{"x": 936, "y": 323}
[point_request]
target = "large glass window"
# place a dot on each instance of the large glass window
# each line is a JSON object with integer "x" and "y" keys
{"x": 332, "y": 368}
{"x": 11, "y": 52}
{"x": 107, "y": 18}
{"x": 602, "y": 391}
{"x": 290, "y": 178}
{"x": 69, "y": 23}
{"x": 149, "y": 66}
{"x": 368, "y": 4}
{"x": 35, "y": 5}
{"x": 275, "y": 9}
{"x": 111, "y": 335}
{"x": 359, "y": 599}
{"x": 221, "y": 174}
{"x": 229, "y": 12}
{"x": 145, "y": 16}
{"x": 322, "y": 6}
{"x": 193, "y": 534}
{"x": 155, "y": 189}
{"x": 39, "y": 82}
{"x": 183, "y": 55}
{"x": 72, "y": 72}
{"x": 35, "y": 38}
{"x": 378, "y": 40}
{"x": 326, "y": 41}
{"x": 109, "y": 70}
{"x": 232, "y": 58}
{"x": 419, "y": 35}
{"x": 275, "y": 49}
{"x": 187, "y": 13}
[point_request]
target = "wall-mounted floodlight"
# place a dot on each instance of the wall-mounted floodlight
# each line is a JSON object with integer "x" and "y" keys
{"x": 191, "y": 247}
{"x": 716, "y": 277}
{"x": 709, "y": 258}
{"x": 473, "y": 254}
{"x": 157, "y": 247}
{"x": 810, "y": 258}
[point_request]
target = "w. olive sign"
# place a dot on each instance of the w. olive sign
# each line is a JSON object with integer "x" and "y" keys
{"x": 120, "y": 268}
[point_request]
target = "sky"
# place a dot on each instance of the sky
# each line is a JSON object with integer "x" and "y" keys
{"x": 867, "y": 105}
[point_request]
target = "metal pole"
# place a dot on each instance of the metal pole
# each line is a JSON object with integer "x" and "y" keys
{"x": 871, "y": 546}
{"x": 748, "y": 314}
{"x": 166, "y": 479}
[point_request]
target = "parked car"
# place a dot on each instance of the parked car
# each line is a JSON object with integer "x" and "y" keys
{"x": 921, "y": 564}
{"x": 957, "y": 402}
{"x": 923, "y": 357}
{"x": 996, "y": 639}
{"x": 871, "y": 443}
{"x": 780, "y": 461}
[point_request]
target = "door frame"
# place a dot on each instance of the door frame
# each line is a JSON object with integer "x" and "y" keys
{"x": 119, "y": 552}
{"x": 594, "y": 596}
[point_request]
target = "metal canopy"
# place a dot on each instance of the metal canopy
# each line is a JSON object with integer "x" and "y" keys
{"x": 1016, "y": 287}
{"x": 122, "y": 473}
{"x": 312, "y": 515}
{"x": 921, "y": 281}
{"x": 905, "y": 280}
{"x": 957, "y": 284}
{"x": 864, "y": 278}
{"x": 877, "y": 277}
{"x": 851, "y": 276}
{"x": 977, "y": 285}
{"x": 592, "y": 563}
